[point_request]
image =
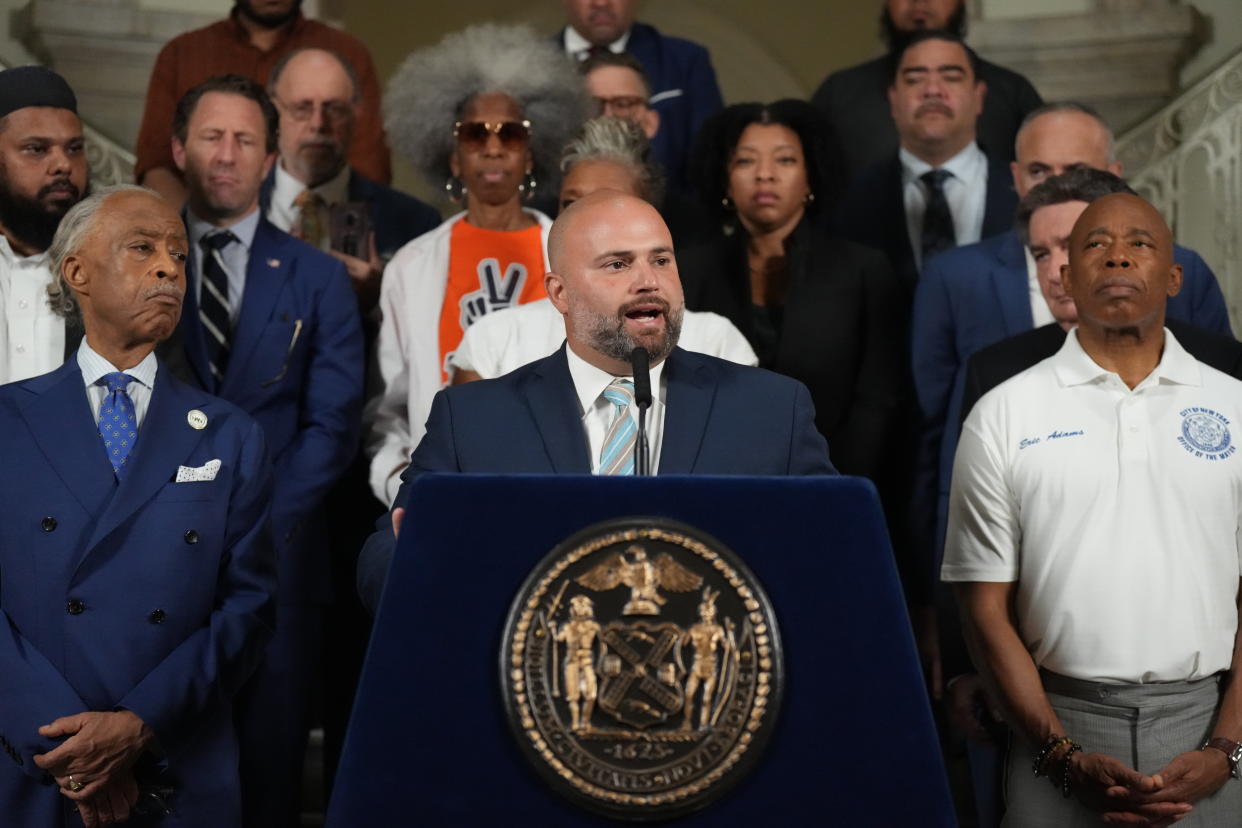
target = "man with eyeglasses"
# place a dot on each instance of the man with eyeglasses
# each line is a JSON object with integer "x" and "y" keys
{"x": 313, "y": 193}
{"x": 682, "y": 81}
{"x": 271, "y": 325}
{"x": 620, "y": 89}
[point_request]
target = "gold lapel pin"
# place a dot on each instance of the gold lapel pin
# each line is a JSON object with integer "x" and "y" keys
{"x": 196, "y": 419}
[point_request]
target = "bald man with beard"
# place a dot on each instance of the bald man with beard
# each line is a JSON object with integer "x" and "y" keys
{"x": 614, "y": 280}
{"x": 1093, "y": 545}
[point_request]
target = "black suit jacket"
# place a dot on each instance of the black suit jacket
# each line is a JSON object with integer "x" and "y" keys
{"x": 842, "y": 334}
{"x": 855, "y": 101}
{"x": 1010, "y": 357}
{"x": 721, "y": 418}
{"x": 873, "y": 213}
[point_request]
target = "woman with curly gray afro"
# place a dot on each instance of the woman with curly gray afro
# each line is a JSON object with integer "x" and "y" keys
{"x": 487, "y": 109}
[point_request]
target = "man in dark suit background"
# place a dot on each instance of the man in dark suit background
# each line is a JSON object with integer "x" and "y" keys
{"x": 855, "y": 103}
{"x": 137, "y": 571}
{"x": 271, "y": 324}
{"x": 615, "y": 281}
{"x": 311, "y": 188}
{"x": 43, "y": 173}
{"x": 684, "y": 90}
{"x": 939, "y": 189}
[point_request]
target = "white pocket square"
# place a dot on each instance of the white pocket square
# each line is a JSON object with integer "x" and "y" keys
{"x": 197, "y": 474}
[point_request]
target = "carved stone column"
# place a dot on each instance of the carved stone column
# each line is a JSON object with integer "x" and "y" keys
{"x": 1123, "y": 57}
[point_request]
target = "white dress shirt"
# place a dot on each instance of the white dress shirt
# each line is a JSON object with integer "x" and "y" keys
{"x": 597, "y": 413}
{"x": 32, "y": 335}
{"x": 966, "y": 191}
{"x": 497, "y": 343}
{"x": 1040, "y": 312}
{"x": 579, "y": 47}
{"x": 1116, "y": 511}
{"x": 235, "y": 256}
{"x": 286, "y": 215}
{"x": 94, "y": 368}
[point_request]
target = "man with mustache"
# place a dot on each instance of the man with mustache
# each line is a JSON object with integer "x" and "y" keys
{"x": 854, "y": 99}
{"x": 939, "y": 189}
{"x": 138, "y": 569}
{"x": 272, "y": 325}
{"x": 43, "y": 173}
{"x": 249, "y": 42}
{"x": 1093, "y": 546}
{"x": 614, "y": 280}
{"x": 313, "y": 193}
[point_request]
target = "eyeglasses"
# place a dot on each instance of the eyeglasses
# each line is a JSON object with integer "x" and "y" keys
{"x": 474, "y": 133}
{"x": 334, "y": 111}
{"x": 622, "y": 106}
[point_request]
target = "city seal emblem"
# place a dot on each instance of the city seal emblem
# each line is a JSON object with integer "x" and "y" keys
{"x": 1205, "y": 433}
{"x": 641, "y": 668}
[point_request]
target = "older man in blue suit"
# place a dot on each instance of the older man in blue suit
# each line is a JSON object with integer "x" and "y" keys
{"x": 615, "y": 281}
{"x": 271, "y": 324}
{"x": 136, "y": 564}
{"x": 684, "y": 90}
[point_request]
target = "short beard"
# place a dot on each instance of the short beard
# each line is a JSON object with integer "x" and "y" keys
{"x": 607, "y": 334}
{"x": 32, "y": 221}
{"x": 268, "y": 21}
{"x": 898, "y": 40}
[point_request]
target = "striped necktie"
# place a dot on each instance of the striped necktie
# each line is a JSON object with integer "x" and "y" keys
{"x": 213, "y": 303}
{"x": 617, "y": 456}
{"x": 118, "y": 422}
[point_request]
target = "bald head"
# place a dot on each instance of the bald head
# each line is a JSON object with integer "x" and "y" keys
{"x": 1121, "y": 269}
{"x": 614, "y": 279}
{"x": 316, "y": 93}
{"x": 1060, "y": 138}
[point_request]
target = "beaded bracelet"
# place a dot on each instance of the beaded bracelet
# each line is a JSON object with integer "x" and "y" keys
{"x": 1050, "y": 747}
{"x": 1065, "y": 768}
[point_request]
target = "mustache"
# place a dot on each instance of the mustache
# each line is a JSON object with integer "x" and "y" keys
{"x": 164, "y": 289}
{"x": 321, "y": 143}
{"x": 660, "y": 301}
{"x": 59, "y": 186}
{"x": 933, "y": 106}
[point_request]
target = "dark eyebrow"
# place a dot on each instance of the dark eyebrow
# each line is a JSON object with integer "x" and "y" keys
{"x": 615, "y": 254}
{"x": 951, "y": 67}
{"x": 1139, "y": 231}
{"x": 655, "y": 250}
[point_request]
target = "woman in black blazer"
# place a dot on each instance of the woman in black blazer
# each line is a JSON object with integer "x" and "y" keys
{"x": 816, "y": 308}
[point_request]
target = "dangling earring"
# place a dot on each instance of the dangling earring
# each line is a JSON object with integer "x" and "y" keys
{"x": 528, "y": 187}
{"x": 455, "y": 188}
{"x": 726, "y": 203}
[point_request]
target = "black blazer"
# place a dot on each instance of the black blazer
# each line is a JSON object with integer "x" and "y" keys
{"x": 873, "y": 213}
{"x": 843, "y": 334}
{"x": 996, "y": 363}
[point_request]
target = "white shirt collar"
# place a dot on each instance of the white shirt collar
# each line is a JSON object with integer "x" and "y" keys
{"x": 577, "y": 46}
{"x": 94, "y": 367}
{"x": 244, "y": 228}
{"x": 590, "y": 382}
{"x": 11, "y": 257}
{"x": 287, "y": 188}
{"x": 963, "y": 166}
{"x": 1074, "y": 366}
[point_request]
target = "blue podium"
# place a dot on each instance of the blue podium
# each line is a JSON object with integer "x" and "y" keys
{"x": 429, "y": 743}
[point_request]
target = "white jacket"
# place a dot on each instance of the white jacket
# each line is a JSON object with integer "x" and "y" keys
{"x": 408, "y": 351}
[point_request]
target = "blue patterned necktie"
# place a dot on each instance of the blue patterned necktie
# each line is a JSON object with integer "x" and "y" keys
{"x": 118, "y": 423}
{"x": 617, "y": 456}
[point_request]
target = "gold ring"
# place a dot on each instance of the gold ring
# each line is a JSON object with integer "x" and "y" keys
{"x": 75, "y": 785}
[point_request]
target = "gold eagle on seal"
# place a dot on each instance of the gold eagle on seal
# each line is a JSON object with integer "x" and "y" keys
{"x": 644, "y": 577}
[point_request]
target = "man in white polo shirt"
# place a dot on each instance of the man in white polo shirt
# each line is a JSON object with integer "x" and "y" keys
{"x": 1093, "y": 536}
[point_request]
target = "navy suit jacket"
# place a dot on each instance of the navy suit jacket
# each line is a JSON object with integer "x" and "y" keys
{"x": 969, "y": 298}
{"x": 297, "y": 367}
{"x": 395, "y": 217}
{"x": 873, "y": 213}
{"x": 148, "y": 595}
{"x": 720, "y": 418}
{"x": 684, "y": 91}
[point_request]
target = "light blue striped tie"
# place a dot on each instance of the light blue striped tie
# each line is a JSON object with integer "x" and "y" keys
{"x": 618, "y": 454}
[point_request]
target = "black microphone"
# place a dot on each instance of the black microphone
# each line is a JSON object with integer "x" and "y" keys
{"x": 640, "y": 361}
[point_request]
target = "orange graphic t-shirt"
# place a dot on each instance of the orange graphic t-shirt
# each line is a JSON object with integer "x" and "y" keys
{"x": 489, "y": 270}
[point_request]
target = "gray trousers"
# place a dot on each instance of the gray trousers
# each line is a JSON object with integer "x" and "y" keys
{"x": 1143, "y": 725}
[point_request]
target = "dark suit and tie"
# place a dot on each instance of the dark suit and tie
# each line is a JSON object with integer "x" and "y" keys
{"x": 721, "y": 418}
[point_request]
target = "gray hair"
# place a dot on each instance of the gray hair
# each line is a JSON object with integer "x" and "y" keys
{"x": 619, "y": 141}
{"x": 428, "y": 91}
{"x": 1067, "y": 106}
{"x": 74, "y": 230}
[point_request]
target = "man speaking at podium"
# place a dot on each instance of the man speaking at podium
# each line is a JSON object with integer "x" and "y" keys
{"x": 614, "y": 279}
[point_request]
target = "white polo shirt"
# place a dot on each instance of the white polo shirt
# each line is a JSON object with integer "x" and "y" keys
{"x": 1116, "y": 511}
